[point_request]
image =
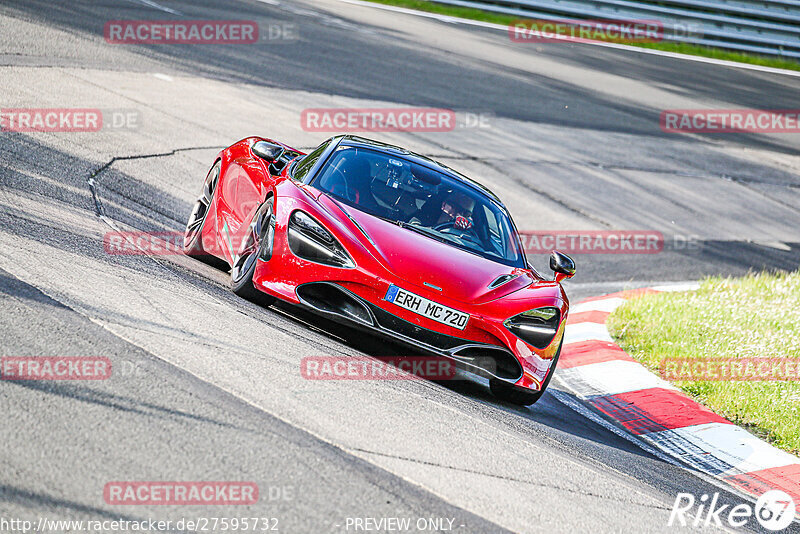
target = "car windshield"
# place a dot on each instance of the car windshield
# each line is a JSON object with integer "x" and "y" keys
{"x": 421, "y": 199}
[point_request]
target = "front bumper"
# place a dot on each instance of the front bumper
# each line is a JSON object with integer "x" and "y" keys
{"x": 342, "y": 305}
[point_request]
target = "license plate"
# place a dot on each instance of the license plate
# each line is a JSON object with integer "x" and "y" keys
{"x": 426, "y": 308}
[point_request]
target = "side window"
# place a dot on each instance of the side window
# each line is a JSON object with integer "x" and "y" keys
{"x": 305, "y": 165}
{"x": 500, "y": 235}
{"x": 495, "y": 232}
{"x": 491, "y": 220}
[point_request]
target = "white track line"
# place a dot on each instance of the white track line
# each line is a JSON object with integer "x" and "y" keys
{"x": 678, "y": 286}
{"x": 735, "y": 446}
{"x": 154, "y": 5}
{"x": 603, "y": 305}
{"x": 612, "y": 378}
{"x": 575, "y": 333}
{"x": 469, "y": 22}
{"x": 568, "y": 398}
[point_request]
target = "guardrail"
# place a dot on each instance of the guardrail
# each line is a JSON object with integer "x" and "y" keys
{"x": 770, "y": 27}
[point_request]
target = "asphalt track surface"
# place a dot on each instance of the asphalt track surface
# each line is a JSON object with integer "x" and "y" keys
{"x": 208, "y": 386}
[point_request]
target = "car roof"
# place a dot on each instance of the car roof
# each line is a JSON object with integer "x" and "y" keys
{"x": 362, "y": 142}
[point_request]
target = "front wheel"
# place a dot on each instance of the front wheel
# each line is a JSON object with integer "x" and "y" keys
{"x": 193, "y": 236}
{"x": 256, "y": 245}
{"x": 520, "y": 396}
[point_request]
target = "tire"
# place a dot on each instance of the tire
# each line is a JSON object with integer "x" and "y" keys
{"x": 192, "y": 237}
{"x": 521, "y": 396}
{"x": 256, "y": 245}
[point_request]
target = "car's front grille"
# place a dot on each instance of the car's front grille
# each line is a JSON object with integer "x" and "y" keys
{"x": 388, "y": 321}
{"x": 333, "y": 300}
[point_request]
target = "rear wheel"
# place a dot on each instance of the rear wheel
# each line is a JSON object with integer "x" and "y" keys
{"x": 193, "y": 236}
{"x": 257, "y": 244}
{"x": 521, "y": 396}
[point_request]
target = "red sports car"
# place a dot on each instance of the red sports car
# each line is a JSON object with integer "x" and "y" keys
{"x": 389, "y": 241}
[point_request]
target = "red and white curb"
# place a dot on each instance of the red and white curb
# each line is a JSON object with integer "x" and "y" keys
{"x": 601, "y": 374}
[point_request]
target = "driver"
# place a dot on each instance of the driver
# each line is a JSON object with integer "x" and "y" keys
{"x": 457, "y": 209}
{"x": 355, "y": 176}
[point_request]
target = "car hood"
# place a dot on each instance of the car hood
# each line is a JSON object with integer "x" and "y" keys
{"x": 418, "y": 260}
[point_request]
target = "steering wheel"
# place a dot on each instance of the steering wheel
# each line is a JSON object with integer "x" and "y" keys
{"x": 451, "y": 225}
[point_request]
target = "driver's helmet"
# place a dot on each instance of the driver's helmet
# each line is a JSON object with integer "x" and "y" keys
{"x": 457, "y": 208}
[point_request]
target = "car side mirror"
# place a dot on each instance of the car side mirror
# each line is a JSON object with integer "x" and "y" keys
{"x": 562, "y": 265}
{"x": 267, "y": 151}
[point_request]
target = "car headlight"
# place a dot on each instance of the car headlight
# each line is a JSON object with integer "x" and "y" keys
{"x": 537, "y": 327}
{"x": 310, "y": 241}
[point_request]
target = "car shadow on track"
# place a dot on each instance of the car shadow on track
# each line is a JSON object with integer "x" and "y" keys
{"x": 564, "y": 423}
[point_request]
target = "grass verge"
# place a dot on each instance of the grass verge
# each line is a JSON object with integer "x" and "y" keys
{"x": 682, "y": 48}
{"x": 757, "y": 316}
